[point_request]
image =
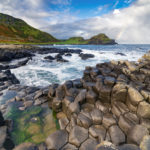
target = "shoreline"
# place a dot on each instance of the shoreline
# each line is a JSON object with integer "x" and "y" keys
{"x": 73, "y": 100}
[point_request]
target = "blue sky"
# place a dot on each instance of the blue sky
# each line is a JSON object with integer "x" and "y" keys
{"x": 126, "y": 21}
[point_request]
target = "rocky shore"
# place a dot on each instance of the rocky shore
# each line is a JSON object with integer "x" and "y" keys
{"x": 107, "y": 109}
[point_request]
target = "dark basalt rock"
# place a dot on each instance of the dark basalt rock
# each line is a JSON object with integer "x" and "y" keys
{"x": 49, "y": 58}
{"x": 86, "y": 56}
{"x": 121, "y": 54}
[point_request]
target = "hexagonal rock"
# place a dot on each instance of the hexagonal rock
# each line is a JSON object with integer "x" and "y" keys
{"x": 89, "y": 144}
{"x": 119, "y": 92}
{"x": 97, "y": 116}
{"x": 145, "y": 122}
{"x": 98, "y": 131}
{"x": 74, "y": 107}
{"x": 129, "y": 147}
{"x": 104, "y": 107}
{"x": 116, "y": 134}
{"x": 145, "y": 144}
{"x": 134, "y": 96}
{"x": 63, "y": 122}
{"x": 91, "y": 97}
{"x": 78, "y": 135}
{"x": 26, "y": 146}
{"x": 57, "y": 139}
{"x": 84, "y": 121}
{"x": 144, "y": 110}
{"x": 108, "y": 120}
{"x": 81, "y": 96}
{"x": 109, "y": 81}
{"x": 136, "y": 134}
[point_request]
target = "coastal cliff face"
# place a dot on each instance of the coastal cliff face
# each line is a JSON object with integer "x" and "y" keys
{"x": 109, "y": 106}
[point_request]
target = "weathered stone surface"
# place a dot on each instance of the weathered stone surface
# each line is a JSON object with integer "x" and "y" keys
{"x": 84, "y": 121}
{"x": 26, "y": 146}
{"x": 38, "y": 94}
{"x": 3, "y": 135}
{"x": 74, "y": 107}
{"x": 91, "y": 97}
{"x": 52, "y": 90}
{"x": 57, "y": 104}
{"x": 104, "y": 107}
{"x": 69, "y": 147}
{"x": 125, "y": 124}
{"x": 145, "y": 143}
{"x": 78, "y": 135}
{"x": 144, "y": 110}
{"x": 108, "y": 120}
{"x": 89, "y": 144}
{"x": 129, "y": 147}
{"x": 146, "y": 123}
{"x": 136, "y": 134}
{"x": 134, "y": 96}
{"x": 28, "y": 103}
{"x": 81, "y": 96}
{"x": 109, "y": 81}
{"x": 63, "y": 122}
{"x": 98, "y": 131}
{"x": 97, "y": 116}
{"x": 119, "y": 92}
{"x": 105, "y": 145}
{"x": 57, "y": 140}
{"x": 116, "y": 134}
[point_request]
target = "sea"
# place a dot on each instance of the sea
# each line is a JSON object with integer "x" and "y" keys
{"x": 40, "y": 72}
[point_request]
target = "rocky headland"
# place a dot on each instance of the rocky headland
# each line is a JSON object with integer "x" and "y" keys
{"x": 107, "y": 109}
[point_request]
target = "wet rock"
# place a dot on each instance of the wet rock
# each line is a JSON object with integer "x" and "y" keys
{"x": 109, "y": 81}
{"x": 97, "y": 116}
{"x": 145, "y": 143}
{"x": 108, "y": 120}
{"x": 57, "y": 140}
{"x": 98, "y": 131}
{"x": 116, "y": 134}
{"x": 2, "y": 122}
{"x": 129, "y": 147}
{"x": 78, "y": 135}
{"x": 134, "y": 96}
{"x": 86, "y": 56}
{"x": 89, "y": 144}
{"x": 121, "y": 54}
{"x": 136, "y": 134}
{"x": 52, "y": 90}
{"x": 26, "y": 146}
{"x": 77, "y": 83}
{"x": 49, "y": 58}
{"x": 144, "y": 110}
{"x": 68, "y": 54}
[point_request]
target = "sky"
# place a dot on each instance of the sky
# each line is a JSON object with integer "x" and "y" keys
{"x": 126, "y": 21}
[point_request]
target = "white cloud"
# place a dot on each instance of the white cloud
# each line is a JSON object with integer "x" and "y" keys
{"x": 129, "y": 25}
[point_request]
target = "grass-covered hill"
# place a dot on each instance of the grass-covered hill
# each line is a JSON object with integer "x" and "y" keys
{"x": 100, "y": 39}
{"x": 16, "y": 30}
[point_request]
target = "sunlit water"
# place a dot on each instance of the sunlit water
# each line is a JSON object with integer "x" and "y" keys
{"x": 40, "y": 72}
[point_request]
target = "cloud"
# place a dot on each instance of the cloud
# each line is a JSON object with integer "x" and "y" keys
{"x": 128, "y": 25}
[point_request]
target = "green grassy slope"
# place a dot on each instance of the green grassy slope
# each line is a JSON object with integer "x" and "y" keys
{"x": 16, "y": 30}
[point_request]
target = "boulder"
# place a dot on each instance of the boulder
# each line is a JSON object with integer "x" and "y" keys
{"x": 116, "y": 134}
{"x": 56, "y": 104}
{"x": 78, "y": 135}
{"x": 136, "y": 134}
{"x": 63, "y": 122}
{"x": 86, "y": 56}
{"x": 74, "y": 108}
{"x": 104, "y": 107}
{"x": 69, "y": 147}
{"x": 144, "y": 110}
{"x": 81, "y": 96}
{"x": 57, "y": 140}
{"x": 89, "y": 144}
{"x": 105, "y": 145}
{"x": 109, "y": 81}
